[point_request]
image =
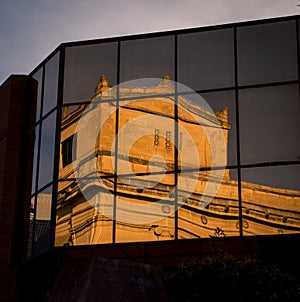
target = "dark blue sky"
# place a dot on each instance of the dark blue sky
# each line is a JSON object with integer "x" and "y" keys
{"x": 31, "y": 29}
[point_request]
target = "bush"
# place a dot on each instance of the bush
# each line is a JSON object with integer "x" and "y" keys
{"x": 222, "y": 278}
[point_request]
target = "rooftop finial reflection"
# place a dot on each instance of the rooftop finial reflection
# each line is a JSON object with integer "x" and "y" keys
{"x": 102, "y": 85}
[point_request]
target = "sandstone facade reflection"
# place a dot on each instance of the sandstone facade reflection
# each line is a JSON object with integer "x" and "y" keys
{"x": 266, "y": 210}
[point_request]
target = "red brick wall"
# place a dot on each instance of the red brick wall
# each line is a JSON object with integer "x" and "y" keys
{"x": 17, "y": 111}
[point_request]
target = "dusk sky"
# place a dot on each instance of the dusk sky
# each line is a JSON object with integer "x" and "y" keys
{"x": 31, "y": 29}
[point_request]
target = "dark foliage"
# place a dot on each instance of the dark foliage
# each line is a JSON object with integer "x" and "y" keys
{"x": 222, "y": 278}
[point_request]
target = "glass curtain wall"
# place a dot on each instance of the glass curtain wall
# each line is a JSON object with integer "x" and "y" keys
{"x": 156, "y": 156}
{"x": 44, "y": 132}
{"x": 190, "y": 134}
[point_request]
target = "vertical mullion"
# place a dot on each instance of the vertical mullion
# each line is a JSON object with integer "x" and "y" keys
{"x": 39, "y": 124}
{"x": 57, "y": 145}
{"x": 42, "y": 92}
{"x": 298, "y": 52}
{"x": 40, "y": 131}
{"x": 116, "y": 146}
{"x": 238, "y": 130}
{"x": 176, "y": 139}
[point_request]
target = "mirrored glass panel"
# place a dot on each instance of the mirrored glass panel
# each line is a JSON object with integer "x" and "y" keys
{"x": 42, "y": 221}
{"x": 35, "y": 158}
{"x": 84, "y": 213}
{"x": 146, "y": 162}
{"x": 223, "y": 104}
{"x": 212, "y": 210}
{"x": 51, "y": 84}
{"x": 84, "y": 65}
{"x": 39, "y": 77}
{"x": 47, "y": 150}
{"x": 267, "y": 53}
{"x": 269, "y": 124}
{"x": 130, "y": 155}
{"x": 147, "y": 58}
{"x": 30, "y": 227}
{"x": 207, "y": 189}
{"x": 271, "y": 200}
{"x": 206, "y": 59}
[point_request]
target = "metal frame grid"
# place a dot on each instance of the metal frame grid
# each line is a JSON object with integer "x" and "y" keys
{"x": 236, "y": 88}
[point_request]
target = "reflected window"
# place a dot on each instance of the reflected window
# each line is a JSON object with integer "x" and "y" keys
{"x": 68, "y": 150}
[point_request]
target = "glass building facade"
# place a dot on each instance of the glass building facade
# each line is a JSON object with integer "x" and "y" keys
{"x": 89, "y": 190}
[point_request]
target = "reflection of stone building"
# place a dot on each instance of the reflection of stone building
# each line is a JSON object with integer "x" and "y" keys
{"x": 42, "y": 225}
{"x": 266, "y": 210}
{"x": 224, "y": 63}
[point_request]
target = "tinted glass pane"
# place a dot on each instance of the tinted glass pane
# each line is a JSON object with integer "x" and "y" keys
{"x": 39, "y": 77}
{"x": 213, "y": 214}
{"x": 47, "y": 150}
{"x": 30, "y": 228}
{"x": 223, "y": 104}
{"x": 162, "y": 227}
{"x": 51, "y": 84}
{"x": 35, "y": 157}
{"x": 206, "y": 59}
{"x": 66, "y": 110}
{"x": 267, "y": 53}
{"x": 147, "y": 58}
{"x": 84, "y": 66}
{"x": 269, "y": 124}
{"x": 146, "y": 153}
{"x": 80, "y": 213}
{"x": 208, "y": 192}
{"x": 85, "y": 192}
{"x": 271, "y": 200}
{"x": 42, "y": 221}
